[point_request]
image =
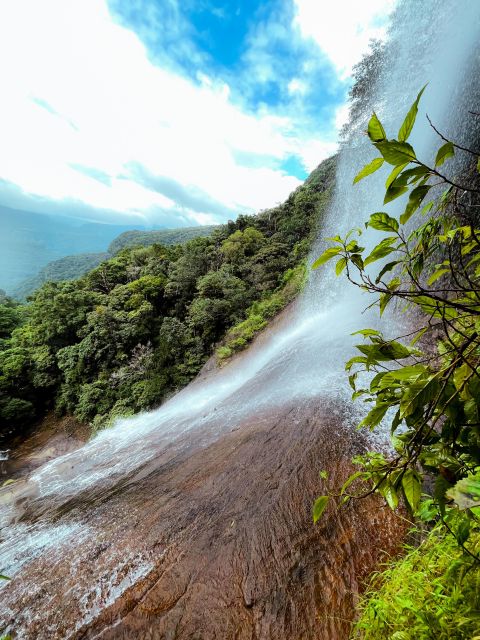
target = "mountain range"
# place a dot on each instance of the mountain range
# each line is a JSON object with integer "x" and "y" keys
{"x": 36, "y": 247}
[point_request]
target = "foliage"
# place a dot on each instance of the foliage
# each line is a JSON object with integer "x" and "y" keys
{"x": 75, "y": 266}
{"x": 258, "y": 315}
{"x": 66, "y": 268}
{"x": 165, "y": 236}
{"x": 140, "y": 325}
{"x": 11, "y": 315}
{"x": 28, "y": 241}
{"x": 430, "y": 395}
{"x": 433, "y": 592}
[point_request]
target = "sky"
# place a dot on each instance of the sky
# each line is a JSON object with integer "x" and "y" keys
{"x": 172, "y": 112}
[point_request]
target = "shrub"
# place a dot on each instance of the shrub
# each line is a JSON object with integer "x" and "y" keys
{"x": 433, "y": 593}
{"x": 261, "y": 311}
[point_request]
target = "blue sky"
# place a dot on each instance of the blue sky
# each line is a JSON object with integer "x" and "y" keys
{"x": 173, "y": 112}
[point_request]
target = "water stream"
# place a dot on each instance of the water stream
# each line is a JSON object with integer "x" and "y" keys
{"x": 117, "y": 539}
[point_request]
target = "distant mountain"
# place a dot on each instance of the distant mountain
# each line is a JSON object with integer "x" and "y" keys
{"x": 166, "y": 236}
{"x": 29, "y": 241}
{"x": 74, "y": 266}
{"x": 67, "y": 268}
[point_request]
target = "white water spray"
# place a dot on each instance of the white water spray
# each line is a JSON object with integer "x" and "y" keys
{"x": 301, "y": 361}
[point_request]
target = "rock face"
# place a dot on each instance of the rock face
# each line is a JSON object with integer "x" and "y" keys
{"x": 211, "y": 539}
{"x": 51, "y": 438}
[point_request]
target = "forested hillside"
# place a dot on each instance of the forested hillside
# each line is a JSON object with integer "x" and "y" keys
{"x": 75, "y": 266}
{"x": 67, "y": 268}
{"x": 29, "y": 241}
{"x": 141, "y": 325}
{"x": 166, "y": 237}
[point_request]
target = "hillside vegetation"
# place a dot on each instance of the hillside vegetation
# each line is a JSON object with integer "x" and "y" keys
{"x": 29, "y": 241}
{"x": 67, "y": 268}
{"x": 141, "y": 325}
{"x": 165, "y": 236}
{"x": 75, "y": 266}
{"x": 431, "y": 593}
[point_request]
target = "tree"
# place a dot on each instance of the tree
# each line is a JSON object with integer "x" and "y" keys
{"x": 242, "y": 244}
{"x": 221, "y": 297}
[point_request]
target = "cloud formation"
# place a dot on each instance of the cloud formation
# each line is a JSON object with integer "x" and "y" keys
{"x": 91, "y": 115}
{"x": 343, "y": 29}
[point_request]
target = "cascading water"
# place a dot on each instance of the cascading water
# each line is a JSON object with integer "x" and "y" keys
{"x": 193, "y": 521}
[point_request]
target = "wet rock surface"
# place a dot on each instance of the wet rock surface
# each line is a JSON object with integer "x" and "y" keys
{"x": 51, "y": 438}
{"x": 211, "y": 539}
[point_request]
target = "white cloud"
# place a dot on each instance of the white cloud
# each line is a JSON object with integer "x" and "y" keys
{"x": 80, "y": 91}
{"x": 314, "y": 151}
{"x": 343, "y": 28}
{"x": 297, "y": 86}
{"x": 83, "y": 105}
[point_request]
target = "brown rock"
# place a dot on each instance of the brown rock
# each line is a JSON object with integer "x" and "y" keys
{"x": 211, "y": 540}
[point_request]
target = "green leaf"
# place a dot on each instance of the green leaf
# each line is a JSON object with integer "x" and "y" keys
{"x": 384, "y": 300}
{"x": 357, "y": 261}
{"x": 366, "y": 332}
{"x": 326, "y": 256}
{"x": 417, "y": 395}
{"x": 419, "y": 334}
{"x": 351, "y": 381}
{"x": 471, "y": 410}
{"x": 381, "y": 250}
{"x": 319, "y": 507}
{"x": 462, "y": 531}
{"x": 383, "y": 222}
{"x": 446, "y": 151}
{"x": 436, "y": 308}
{"x": 388, "y": 267}
{"x": 404, "y": 374}
{"x": 414, "y": 201}
{"x": 375, "y": 131}
{"x": 4, "y": 577}
{"x": 323, "y": 475}
{"x": 436, "y": 275}
{"x": 410, "y": 176}
{"x": 396, "y": 152}
{"x": 369, "y": 168}
{"x": 466, "y": 493}
{"x": 407, "y": 126}
{"x": 385, "y": 351}
{"x": 359, "y": 394}
{"x": 355, "y": 360}
{"x": 394, "y": 284}
{"x": 375, "y": 416}
{"x": 427, "y": 207}
{"x": 393, "y": 192}
{"x": 460, "y": 375}
{"x": 350, "y": 479}
{"x": 376, "y": 380}
{"x": 412, "y": 488}
{"x": 390, "y": 494}
{"x": 394, "y": 174}
{"x": 340, "y": 266}
{"x": 446, "y": 194}
{"x": 427, "y": 511}
{"x": 478, "y": 165}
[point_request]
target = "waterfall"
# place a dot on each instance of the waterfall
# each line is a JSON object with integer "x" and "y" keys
{"x": 297, "y": 363}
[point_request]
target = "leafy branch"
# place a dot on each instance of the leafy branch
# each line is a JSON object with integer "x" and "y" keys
{"x": 427, "y": 389}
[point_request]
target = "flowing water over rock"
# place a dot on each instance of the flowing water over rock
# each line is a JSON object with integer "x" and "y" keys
{"x": 194, "y": 521}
